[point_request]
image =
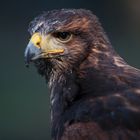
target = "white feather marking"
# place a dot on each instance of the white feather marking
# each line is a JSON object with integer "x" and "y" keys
{"x": 137, "y": 91}
{"x": 119, "y": 62}
{"x": 37, "y": 26}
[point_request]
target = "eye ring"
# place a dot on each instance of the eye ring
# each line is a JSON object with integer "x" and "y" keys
{"x": 63, "y": 37}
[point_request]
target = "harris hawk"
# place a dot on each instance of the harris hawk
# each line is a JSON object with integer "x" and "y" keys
{"x": 94, "y": 93}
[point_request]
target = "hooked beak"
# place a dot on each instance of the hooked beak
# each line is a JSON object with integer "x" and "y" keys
{"x": 39, "y": 47}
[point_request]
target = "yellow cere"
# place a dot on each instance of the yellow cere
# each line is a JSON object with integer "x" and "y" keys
{"x": 55, "y": 51}
{"x": 36, "y": 39}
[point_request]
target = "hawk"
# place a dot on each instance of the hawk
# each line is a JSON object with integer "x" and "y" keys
{"x": 94, "y": 93}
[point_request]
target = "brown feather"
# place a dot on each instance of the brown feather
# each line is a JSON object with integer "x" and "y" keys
{"x": 95, "y": 94}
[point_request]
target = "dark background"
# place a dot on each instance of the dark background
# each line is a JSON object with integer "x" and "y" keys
{"x": 24, "y": 100}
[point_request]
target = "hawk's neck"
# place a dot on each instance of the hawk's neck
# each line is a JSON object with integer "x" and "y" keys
{"x": 103, "y": 72}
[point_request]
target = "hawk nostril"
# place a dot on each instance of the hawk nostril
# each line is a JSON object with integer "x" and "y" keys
{"x": 36, "y": 39}
{"x": 38, "y": 43}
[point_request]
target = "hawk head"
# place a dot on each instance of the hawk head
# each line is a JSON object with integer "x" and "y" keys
{"x": 62, "y": 39}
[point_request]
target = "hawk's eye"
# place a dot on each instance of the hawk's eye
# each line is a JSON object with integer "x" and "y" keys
{"x": 63, "y": 36}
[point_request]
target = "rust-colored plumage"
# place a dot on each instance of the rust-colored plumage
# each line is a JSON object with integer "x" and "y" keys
{"x": 95, "y": 94}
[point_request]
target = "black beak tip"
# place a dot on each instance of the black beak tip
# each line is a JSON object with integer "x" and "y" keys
{"x": 27, "y": 64}
{"x": 27, "y": 59}
{"x": 27, "y": 56}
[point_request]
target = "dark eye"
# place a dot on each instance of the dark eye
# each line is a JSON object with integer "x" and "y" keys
{"x": 63, "y": 36}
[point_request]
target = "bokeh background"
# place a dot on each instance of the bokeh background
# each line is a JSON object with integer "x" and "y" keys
{"x": 24, "y": 100}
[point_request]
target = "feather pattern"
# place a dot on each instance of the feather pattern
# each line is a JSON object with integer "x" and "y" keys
{"x": 95, "y": 94}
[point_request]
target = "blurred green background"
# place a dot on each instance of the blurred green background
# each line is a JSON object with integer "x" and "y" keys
{"x": 24, "y": 100}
